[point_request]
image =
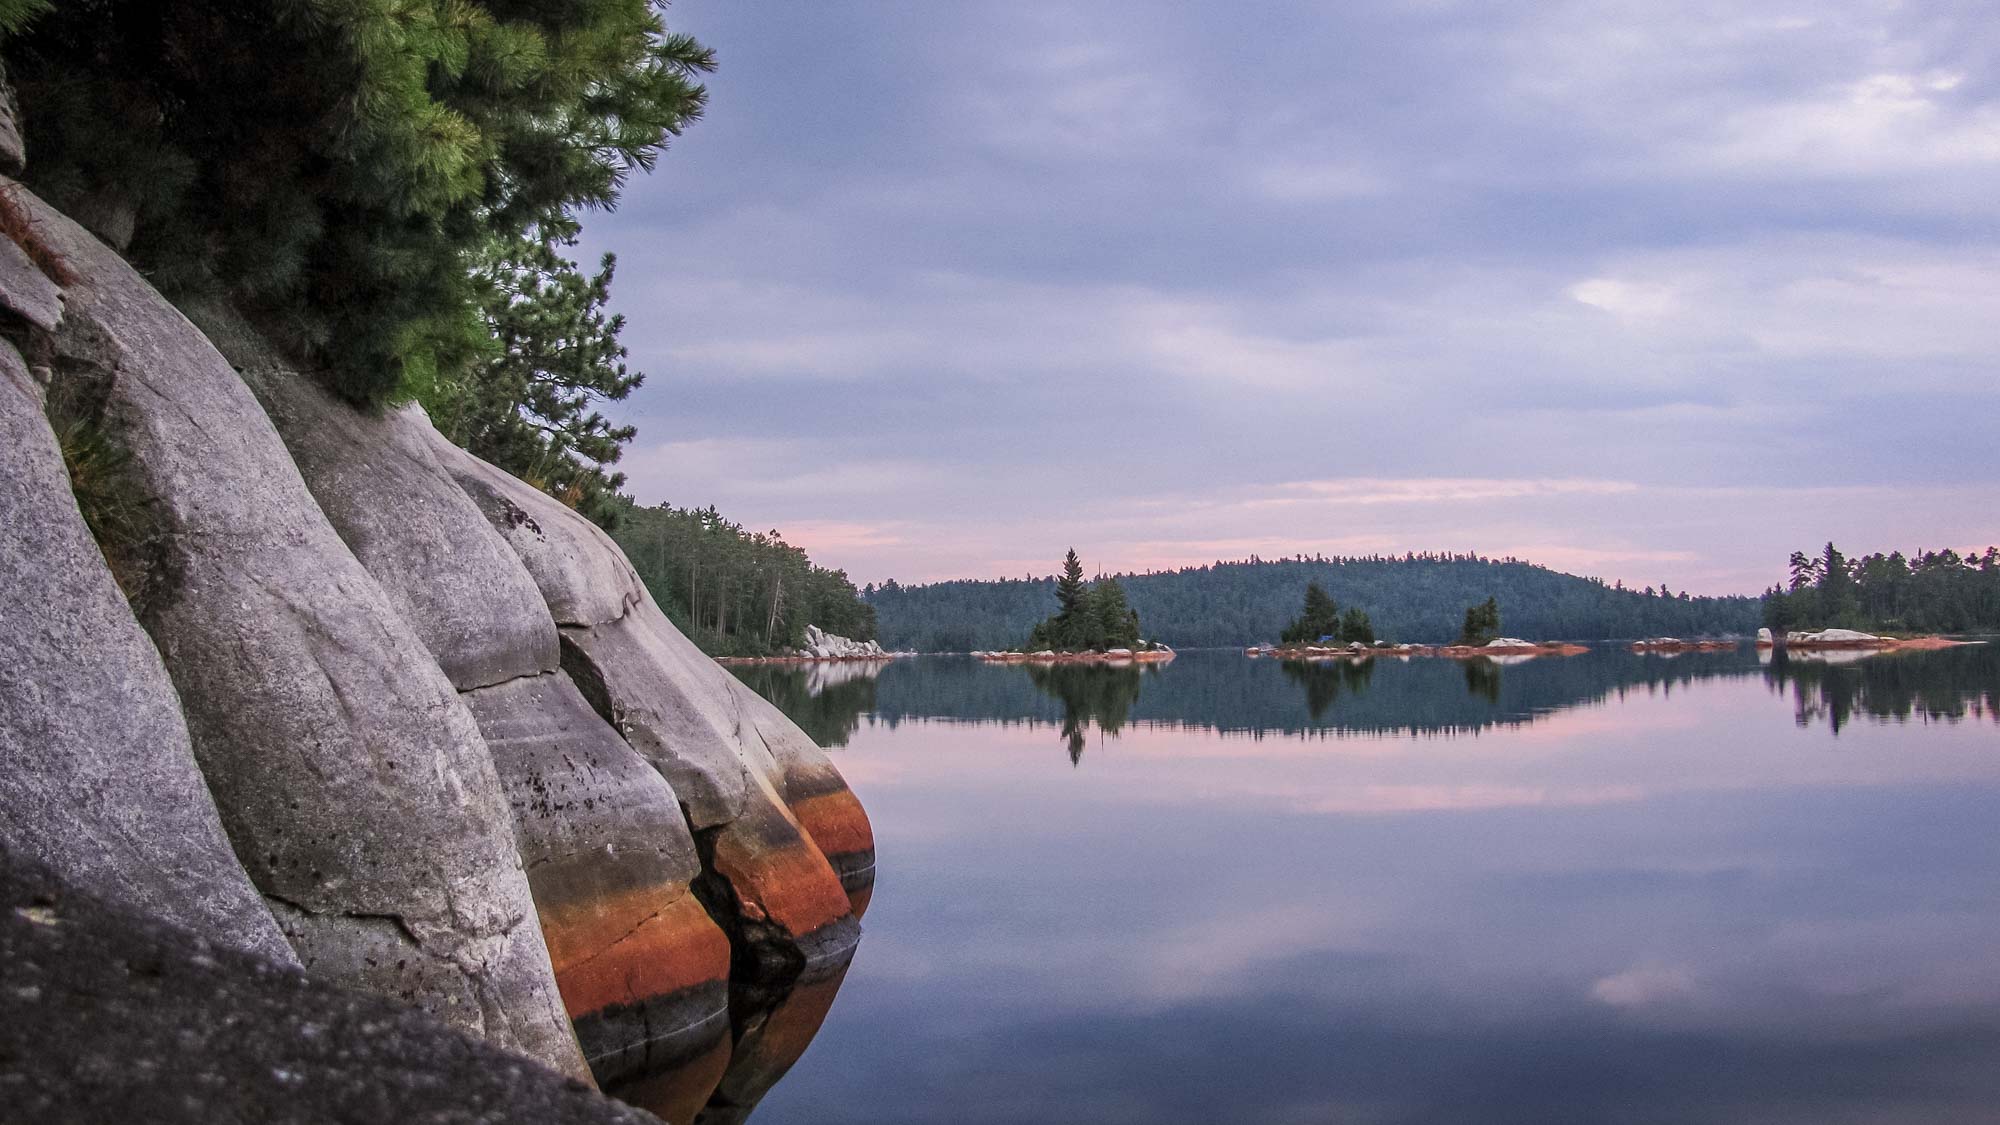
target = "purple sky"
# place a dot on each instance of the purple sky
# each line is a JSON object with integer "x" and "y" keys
{"x": 1659, "y": 292}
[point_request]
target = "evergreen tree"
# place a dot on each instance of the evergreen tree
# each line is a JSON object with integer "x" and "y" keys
{"x": 1354, "y": 626}
{"x": 1482, "y": 623}
{"x": 1067, "y": 627}
{"x": 1116, "y": 624}
{"x": 527, "y": 405}
{"x": 334, "y": 166}
{"x": 1320, "y": 617}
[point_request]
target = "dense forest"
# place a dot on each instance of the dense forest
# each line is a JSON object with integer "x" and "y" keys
{"x": 736, "y": 592}
{"x": 1927, "y": 592}
{"x": 1412, "y": 598}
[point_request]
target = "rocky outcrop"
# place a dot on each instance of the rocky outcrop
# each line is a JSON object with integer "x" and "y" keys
{"x": 109, "y": 1015}
{"x": 317, "y": 685}
{"x": 642, "y": 968}
{"x": 99, "y": 781}
{"x": 790, "y": 921}
{"x": 351, "y": 780}
{"x": 821, "y": 645}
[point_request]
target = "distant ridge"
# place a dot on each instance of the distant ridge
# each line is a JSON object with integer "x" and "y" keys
{"x": 1409, "y": 598}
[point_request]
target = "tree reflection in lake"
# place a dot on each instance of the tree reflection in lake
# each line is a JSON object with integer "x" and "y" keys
{"x": 1421, "y": 696}
{"x": 1089, "y": 693}
{"x": 1324, "y": 680}
{"x": 1947, "y": 685}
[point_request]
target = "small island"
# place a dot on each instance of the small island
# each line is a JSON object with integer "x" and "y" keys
{"x": 1323, "y": 632}
{"x": 1092, "y": 624}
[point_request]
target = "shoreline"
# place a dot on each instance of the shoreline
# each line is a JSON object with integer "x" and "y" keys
{"x": 1148, "y": 656}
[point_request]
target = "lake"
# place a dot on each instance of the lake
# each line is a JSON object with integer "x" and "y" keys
{"x": 1603, "y": 888}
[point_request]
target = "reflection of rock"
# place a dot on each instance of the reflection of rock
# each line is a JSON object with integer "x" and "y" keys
{"x": 776, "y": 1033}
{"x": 824, "y": 677}
{"x": 1670, "y": 646}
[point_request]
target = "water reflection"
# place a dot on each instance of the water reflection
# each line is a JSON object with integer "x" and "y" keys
{"x": 1948, "y": 686}
{"x": 1608, "y": 887}
{"x": 1325, "y": 680}
{"x": 1089, "y": 693}
{"x": 1426, "y": 697}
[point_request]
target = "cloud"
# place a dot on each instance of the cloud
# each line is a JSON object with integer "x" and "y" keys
{"x": 1644, "y": 985}
{"x": 1443, "y": 256}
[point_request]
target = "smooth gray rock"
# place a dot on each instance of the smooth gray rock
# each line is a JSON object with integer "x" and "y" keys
{"x": 644, "y": 969}
{"x": 97, "y": 779}
{"x": 26, "y": 291}
{"x": 106, "y": 1016}
{"x": 350, "y": 777}
{"x": 582, "y": 574}
{"x": 446, "y": 570}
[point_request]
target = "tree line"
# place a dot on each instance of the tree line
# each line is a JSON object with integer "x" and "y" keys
{"x": 1925, "y": 592}
{"x": 736, "y": 592}
{"x": 1411, "y": 597}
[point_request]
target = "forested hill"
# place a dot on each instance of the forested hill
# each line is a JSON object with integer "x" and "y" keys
{"x": 1411, "y": 598}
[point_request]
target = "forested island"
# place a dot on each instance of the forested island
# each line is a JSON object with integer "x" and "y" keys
{"x": 1412, "y": 597}
{"x": 1925, "y": 592}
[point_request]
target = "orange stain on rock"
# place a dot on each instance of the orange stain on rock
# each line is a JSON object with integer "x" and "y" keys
{"x": 602, "y": 958}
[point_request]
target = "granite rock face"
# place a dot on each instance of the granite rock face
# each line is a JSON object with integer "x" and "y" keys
{"x": 99, "y": 781}
{"x": 379, "y": 484}
{"x": 314, "y": 685}
{"x": 112, "y": 1016}
{"x": 791, "y": 924}
{"x": 350, "y": 777}
{"x": 642, "y": 968}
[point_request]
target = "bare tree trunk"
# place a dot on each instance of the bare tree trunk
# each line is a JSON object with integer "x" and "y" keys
{"x": 771, "y": 623}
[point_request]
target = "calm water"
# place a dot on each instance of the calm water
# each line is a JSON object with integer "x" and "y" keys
{"x": 1603, "y": 888}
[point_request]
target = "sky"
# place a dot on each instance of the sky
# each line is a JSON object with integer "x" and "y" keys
{"x": 1652, "y": 292}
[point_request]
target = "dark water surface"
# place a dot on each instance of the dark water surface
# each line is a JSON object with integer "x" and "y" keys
{"x": 1602, "y": 888}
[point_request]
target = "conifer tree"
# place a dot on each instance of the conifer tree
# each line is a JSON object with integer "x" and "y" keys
{"x": 1482, "y": 623}
{"x": 1320, "y": 617}
{"x": 334, "y": 166}
{"x": 1355, "y": 626}
{"x": 527, "y": 405}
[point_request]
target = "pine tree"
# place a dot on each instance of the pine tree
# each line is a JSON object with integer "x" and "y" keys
{"x": 1319, "y": 617}
{"x": 1482, "y": 623}
{"x": 1066, "y": 628}
{"x": 527, "y": 405}
{"x": 332, "y": 166}
{"x": 1355, "y": 626}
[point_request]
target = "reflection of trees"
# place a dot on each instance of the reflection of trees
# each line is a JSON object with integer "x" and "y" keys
{"x": 1482, "y": 679}
{"x": 827, "y": 701}
{"x": 1089, "y": 693}
{"x": 1325, "y": 680}
{"x": 1948, "y": 685}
